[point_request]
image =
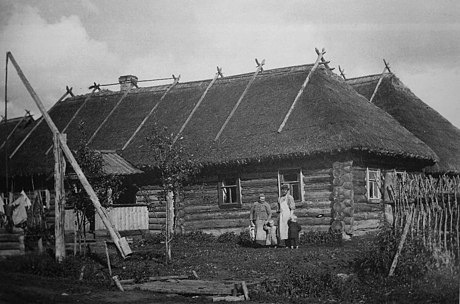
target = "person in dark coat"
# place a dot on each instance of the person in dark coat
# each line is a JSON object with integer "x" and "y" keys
{"x": 293, "y": 232}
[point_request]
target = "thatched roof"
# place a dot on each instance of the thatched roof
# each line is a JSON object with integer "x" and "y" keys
{"x": 416, "y": 116}
{"x": 330, "y": 117}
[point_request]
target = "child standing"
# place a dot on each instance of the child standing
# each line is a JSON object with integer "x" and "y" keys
{"x": 271, "y": 233}
{"x": 293, "y": 232}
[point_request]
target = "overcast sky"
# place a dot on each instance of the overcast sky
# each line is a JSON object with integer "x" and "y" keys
{"x": 76, "y": 43}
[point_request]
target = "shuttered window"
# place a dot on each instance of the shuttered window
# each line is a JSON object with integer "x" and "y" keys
{"x": 230, "y": 192}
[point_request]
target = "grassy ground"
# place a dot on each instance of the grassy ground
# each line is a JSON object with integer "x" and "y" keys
{"x": 305, "y": 275}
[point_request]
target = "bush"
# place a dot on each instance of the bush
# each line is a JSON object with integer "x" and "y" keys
{"x": 412, "y": 263}
{"x": 321, "y": 238}
{"x": 228, "y": 237}
{"x": 303, "y": 283}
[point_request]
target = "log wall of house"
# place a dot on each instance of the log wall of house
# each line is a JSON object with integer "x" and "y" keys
{"x": 199, "y": 209}
{"x": 367, "y": 215}
{"x": 315, "y": 211}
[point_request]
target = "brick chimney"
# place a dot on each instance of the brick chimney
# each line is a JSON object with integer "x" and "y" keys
{"x": 127, "y": 82}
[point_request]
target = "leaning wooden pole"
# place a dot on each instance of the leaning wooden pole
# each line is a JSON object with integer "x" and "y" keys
{"x": 14, "y": 129}
{"x": 401, "y": 242}
{"x": 59, "y": 199}
{"x": 121, "y": 243}
{"x": 35, "y": 127}
{"x": 315, "y": 66}
{"x": 380, "y": 81}
{"x": 74, "y": 116}
{"x": 197, "y": 105}
{"x": 176, "y": 81}
{"x": 6, "y": 121}
{"x": 258, "y": 70}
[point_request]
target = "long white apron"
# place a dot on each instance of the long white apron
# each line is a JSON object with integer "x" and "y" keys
{"x": 285, "y": 214}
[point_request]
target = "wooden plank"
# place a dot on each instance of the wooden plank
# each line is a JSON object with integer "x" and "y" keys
{"x": 176, "y": 80}
{"x": 315, "y": 66}
{"x": 9, "y": 245}
{"x": 196, "y": 106}
{"x": 154, "y": 220}
{"x": 108, "y": 116}
{"x": 185, "y": 287}
{"x": 216, "y": 223}
{"x": 259, "y": 68}
{"x": 228, "y": 214}
{"x": 11, "y": 252}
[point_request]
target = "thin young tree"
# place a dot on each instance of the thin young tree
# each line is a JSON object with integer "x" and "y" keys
{"x": 174, "y": 166}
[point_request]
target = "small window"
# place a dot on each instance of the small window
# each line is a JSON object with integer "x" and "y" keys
{"x": 230, "y": 192}
{"x": 373, "y": 184}
{"x": 293, "y": 178}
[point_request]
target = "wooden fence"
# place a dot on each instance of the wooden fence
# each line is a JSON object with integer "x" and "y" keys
{"x": 433, "y": 205}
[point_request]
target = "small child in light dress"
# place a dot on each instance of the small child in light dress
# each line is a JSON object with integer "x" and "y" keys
{"x": 271, "y": 233}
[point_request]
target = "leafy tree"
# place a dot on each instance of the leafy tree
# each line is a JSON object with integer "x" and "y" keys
{"x": 174, "y": 166}
{"x": 106, "y": 186}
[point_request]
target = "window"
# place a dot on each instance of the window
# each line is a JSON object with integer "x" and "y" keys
{"x": 373, "y": 181}
{"x": 230, "y": 192}
{"x": 293, "y": 178}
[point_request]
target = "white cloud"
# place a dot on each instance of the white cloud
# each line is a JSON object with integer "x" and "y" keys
{"x": 52, "y": 55}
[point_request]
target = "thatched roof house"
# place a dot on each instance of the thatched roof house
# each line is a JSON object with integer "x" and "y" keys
{"x": 331, "y": 151}
{"x": 416, "y": 116}
{"x": 329, "y": 118}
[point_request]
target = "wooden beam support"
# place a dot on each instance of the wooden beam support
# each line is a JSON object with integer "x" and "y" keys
{"x": 59, "y": 200}
{"x": 121, "y": 243}
{"x": 74, "y": 116}
{"x": 176, "y": 80}
{"x": 380, "y": 81}
{"x": 39, "y": 122}
{"x": 107, "y": 117}
{"x": 219, "y": 73}
{"x": 258, "y": 70}
{"x": 304, "y": 85}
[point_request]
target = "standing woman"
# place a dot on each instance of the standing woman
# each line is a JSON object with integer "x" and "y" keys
{"x": 260, "y": 214}
{"x": 286, "y": 207}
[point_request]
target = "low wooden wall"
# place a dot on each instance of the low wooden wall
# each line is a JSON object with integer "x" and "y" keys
{"x": 12, "y": 243}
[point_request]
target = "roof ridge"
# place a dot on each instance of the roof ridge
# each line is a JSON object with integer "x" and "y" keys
{"x": 193, "y": 83}
{"x": 366, "y": 78}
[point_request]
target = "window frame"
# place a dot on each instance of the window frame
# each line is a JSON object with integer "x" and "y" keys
{"x": 281, "y": 180}
{"x": 377, "y": 184}
{"x": 222, "y": 185}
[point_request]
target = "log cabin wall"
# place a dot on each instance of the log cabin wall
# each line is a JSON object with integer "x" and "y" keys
{"x": 367, "y": 214}
{"x": 199, "y": 209}
{"x": 315, "y": 211}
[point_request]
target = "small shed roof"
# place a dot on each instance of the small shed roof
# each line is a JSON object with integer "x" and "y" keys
{"x": 117, "y": 165}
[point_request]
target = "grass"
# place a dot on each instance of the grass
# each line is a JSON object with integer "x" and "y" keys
{"x": 322, "y": 270}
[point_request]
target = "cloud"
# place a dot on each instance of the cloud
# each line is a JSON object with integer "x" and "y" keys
{"x": 52, "y": 55}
